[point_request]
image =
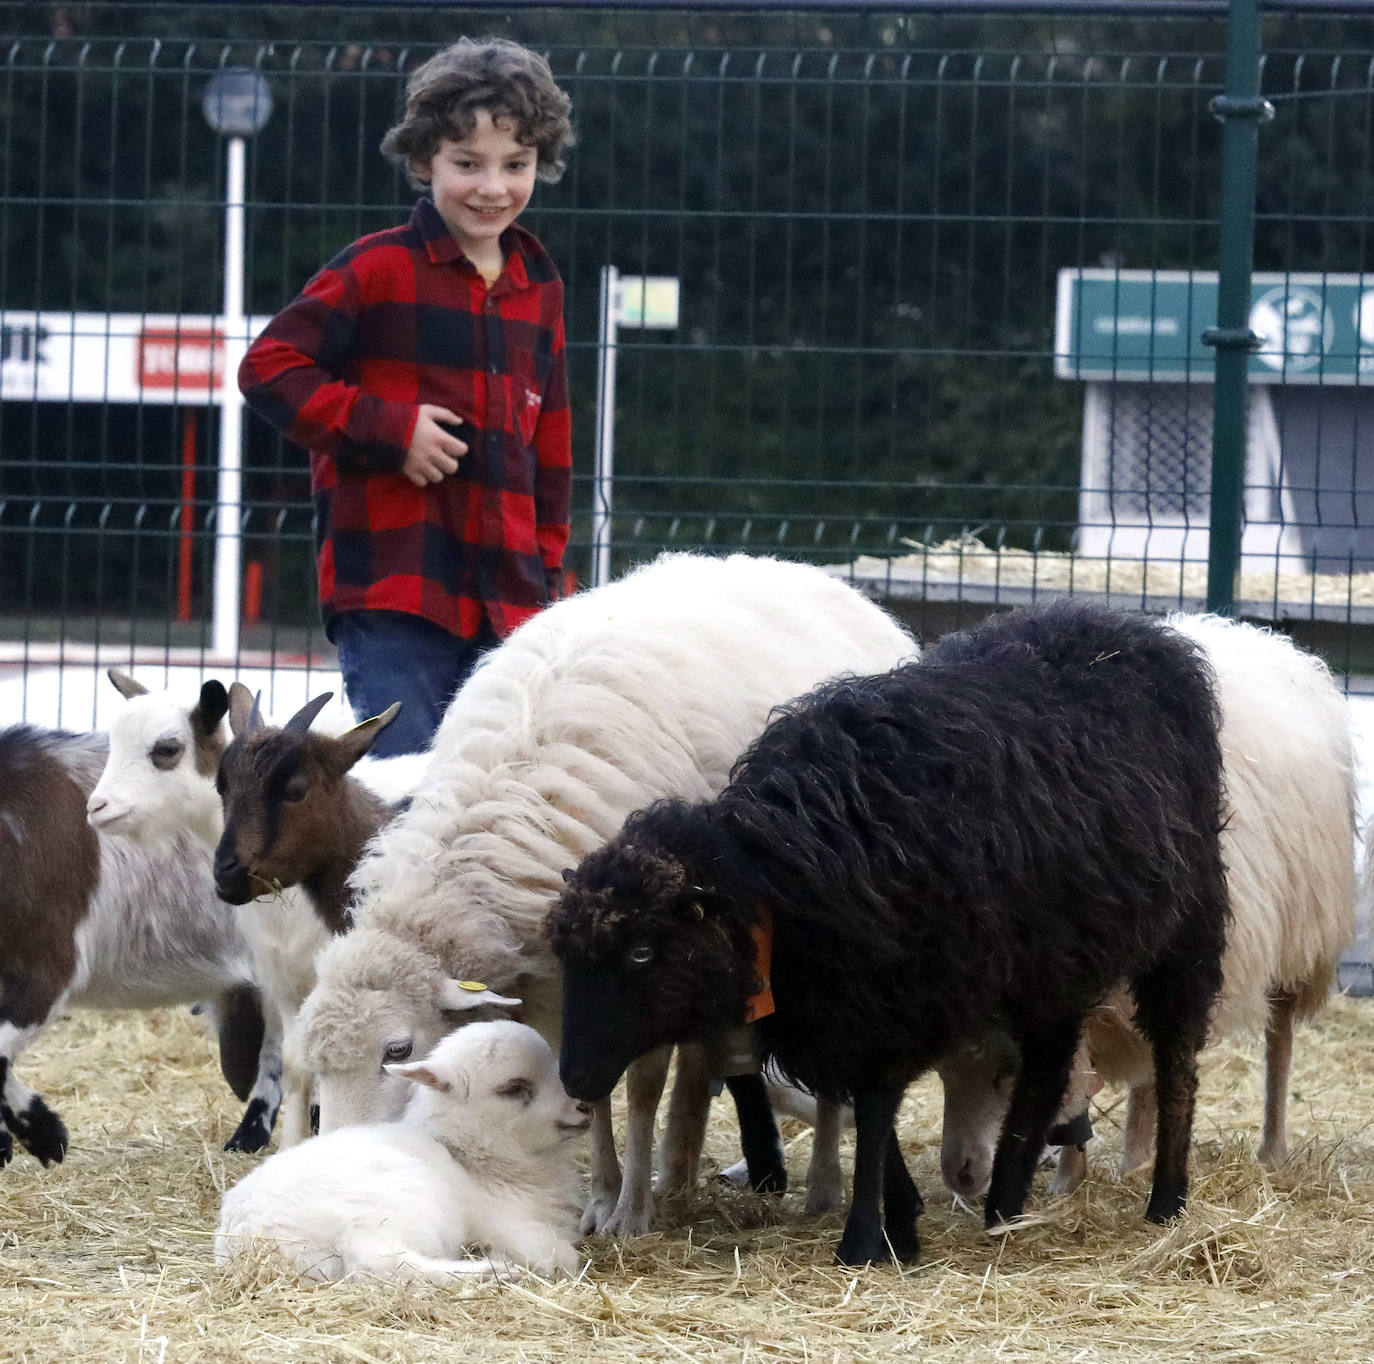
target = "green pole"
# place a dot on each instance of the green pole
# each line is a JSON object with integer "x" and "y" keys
{"x": 1241, "y": 111}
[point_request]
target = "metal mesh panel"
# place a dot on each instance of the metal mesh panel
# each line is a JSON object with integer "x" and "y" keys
{"x": 1158, "y": 450}
{"x": 869, "y": 214}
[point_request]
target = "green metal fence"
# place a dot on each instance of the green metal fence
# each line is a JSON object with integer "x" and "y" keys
{"x": 943, "y": 272}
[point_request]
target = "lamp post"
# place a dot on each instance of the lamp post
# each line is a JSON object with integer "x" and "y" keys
{"x": 237, "y": 104}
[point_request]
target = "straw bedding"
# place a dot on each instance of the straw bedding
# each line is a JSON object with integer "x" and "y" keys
{"x": 107, "y": 1257}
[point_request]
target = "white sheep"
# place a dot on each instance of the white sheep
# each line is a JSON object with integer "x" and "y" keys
{"x": 647, "y": 687}
{"x": 479, "y": 1158}
{"x": 1289, "y": 851}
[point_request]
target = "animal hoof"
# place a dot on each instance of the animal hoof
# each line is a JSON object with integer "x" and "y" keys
{"x": 627, "y": 1222}
{"x": 736, "y": 1174}
{"x": 772, "y": 1181}
{"x": 254, "y": 1130}
{"x": 862, "y": 1245}
{"x": 44, "y": 1134}
{"x": 1164, "y": 1209}
{"x": 596, "y": 1215}
{"x": 823, "y": 1198}
{"x": 906, "y": 1245}
{"x": 6, "y": 1149}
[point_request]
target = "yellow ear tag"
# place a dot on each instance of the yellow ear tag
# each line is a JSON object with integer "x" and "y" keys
{"x": 475, "y": 986}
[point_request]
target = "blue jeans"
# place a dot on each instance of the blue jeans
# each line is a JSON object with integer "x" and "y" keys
{"x": 388, "y": 656}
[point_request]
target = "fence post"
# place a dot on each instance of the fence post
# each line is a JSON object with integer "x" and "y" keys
{"x": 1240, "y": 110}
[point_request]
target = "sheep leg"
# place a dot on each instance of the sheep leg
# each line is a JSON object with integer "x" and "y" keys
{"x": 23, "y": 1113}
{"x": 1142, "y": 1117}
{"x": 825, "y": 1181}
{"x": 1043, "y": 1075}
{"x": 295, "y": 1111}
{"x": 758, "y": 1133}
{"x": 875, "y": 1111}
{"x": 685, "y": 1130}
{"x": 1278, "y": 1060}
{"x": 605, "y": 1187}
{"x": 644, "y": 1080}
{"x": 1172, "y": 1004}
{"x": 1070, "y": 1170}
{"x": 902, "y": 1204}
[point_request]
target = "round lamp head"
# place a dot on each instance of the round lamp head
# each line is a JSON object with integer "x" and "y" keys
{"x": 237, "y": 102}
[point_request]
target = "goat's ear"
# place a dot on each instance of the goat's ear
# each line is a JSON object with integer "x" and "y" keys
{"x": 458, "y": 996}
{"x": 210, "y": 709}
{"x": 419, "y": 1073}
{"x": 243, "y": 710}
{"x": 353, "y": 743}
{"x": 125, "y": 685}
{"x": 301, "y": 721}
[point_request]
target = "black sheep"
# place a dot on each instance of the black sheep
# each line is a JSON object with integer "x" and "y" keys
{"x": 992, "y": 836}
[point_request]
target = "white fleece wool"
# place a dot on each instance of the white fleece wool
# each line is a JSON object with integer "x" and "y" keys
{"x": 650, "y": 686}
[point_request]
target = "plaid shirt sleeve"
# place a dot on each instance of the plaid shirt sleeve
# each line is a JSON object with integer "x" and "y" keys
{"x": 292, "y": 377}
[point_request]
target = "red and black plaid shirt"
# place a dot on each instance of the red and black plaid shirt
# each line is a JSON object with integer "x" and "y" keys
{"x": 401, "y": 318}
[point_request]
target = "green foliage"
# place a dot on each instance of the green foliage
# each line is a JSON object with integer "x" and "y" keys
{"x": 867, "y": 211}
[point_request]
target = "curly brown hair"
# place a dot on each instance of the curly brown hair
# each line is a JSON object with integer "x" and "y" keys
{"x": 495, "y": 74}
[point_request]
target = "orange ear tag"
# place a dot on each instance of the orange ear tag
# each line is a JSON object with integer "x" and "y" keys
{"x": 760, "y": 1005}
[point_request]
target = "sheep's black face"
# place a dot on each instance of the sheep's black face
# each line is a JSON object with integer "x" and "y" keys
{"x": 649, "y": 956}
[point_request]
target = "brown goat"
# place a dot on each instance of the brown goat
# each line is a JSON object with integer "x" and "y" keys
{"x": 293, "y": 814}
{"x": 87, "y": 920}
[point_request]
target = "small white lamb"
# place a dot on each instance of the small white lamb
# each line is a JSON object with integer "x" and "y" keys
{"x": 479, "y": 1158}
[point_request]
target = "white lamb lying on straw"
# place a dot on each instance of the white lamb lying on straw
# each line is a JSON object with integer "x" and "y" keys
{"x": 480, "y": 1158}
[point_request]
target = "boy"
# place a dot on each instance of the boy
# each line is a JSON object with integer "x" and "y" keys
{"x": 423, "y": 368}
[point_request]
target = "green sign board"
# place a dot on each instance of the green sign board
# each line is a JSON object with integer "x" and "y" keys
{"x": 1148, "y": 324}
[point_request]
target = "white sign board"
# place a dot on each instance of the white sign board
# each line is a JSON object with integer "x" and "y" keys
{"x": 647, "y": 301}
{"x": 113, "y": 357}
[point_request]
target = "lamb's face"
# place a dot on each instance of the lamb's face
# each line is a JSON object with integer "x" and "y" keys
{"x": 499, "y": 1082}
{"x": 377, "y": 1003}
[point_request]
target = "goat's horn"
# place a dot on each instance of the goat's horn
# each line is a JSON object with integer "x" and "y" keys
{"x": 301, "y": 720}
{"x": 125, "y": 685}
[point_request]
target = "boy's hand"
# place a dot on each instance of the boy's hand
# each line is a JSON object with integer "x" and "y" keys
{"x": 434, "y": 451}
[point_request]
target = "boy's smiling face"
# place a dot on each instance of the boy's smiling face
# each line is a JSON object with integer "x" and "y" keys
{"x": 481, "y": 184}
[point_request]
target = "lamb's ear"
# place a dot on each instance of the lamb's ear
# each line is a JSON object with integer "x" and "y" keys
{"x": 458, "y": 996}
{"x": 353, "y": 743}
{"x": 419, "y": 1073}
{"x": 210, "y": 709}
{"x": 125, "y": 685}
{"x": 243, "y": 709}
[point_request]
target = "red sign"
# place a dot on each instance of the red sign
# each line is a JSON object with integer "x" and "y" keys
{"x": 184, "y": 357}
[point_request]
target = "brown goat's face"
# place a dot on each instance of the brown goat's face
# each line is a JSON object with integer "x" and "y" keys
{"x": 278, "y": 792}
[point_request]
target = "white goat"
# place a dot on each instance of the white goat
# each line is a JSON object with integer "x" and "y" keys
{"x": 159, "y": 783}
{"x": 651, "y": 686}
{"x": 96, "y": 922}
{"x": 1289, "y": 850}
{"x": 479, "y": 1158}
